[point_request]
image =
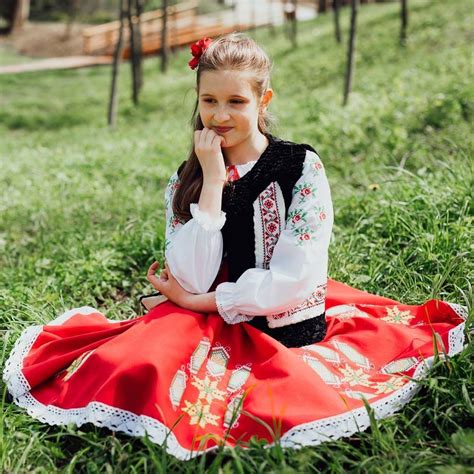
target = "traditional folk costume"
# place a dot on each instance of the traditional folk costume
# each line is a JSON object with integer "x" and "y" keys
{"x": 291, "y": 355}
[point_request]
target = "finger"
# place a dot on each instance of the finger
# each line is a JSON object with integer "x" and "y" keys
{"x": 153, "y": 267}
{"x": 210, "y": 138}
{"x": 205, "y": 137}
{"x": 168, "y": 271}
{"x": 201, "y": 144}
{"x": 202, "y": 138}
{"x": 156, "y": 282}
{"x": 217, "y": 141}
{"x": 197, "y": 137}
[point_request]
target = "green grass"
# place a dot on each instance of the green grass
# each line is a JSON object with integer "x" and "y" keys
{"x": 81, "y": 218}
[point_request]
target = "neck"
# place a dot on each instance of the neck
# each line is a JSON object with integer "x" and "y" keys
{"x": 247, "y": 150}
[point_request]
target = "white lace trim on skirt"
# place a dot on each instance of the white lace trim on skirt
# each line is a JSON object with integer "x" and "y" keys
{"x": 306, "y": 434}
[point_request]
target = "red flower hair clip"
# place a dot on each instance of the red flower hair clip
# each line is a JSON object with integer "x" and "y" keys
{"x": 197, "y": 49}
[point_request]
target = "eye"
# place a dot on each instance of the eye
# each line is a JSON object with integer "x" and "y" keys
{"x": 208, "y": 100}
{"x": 236, "y": 101}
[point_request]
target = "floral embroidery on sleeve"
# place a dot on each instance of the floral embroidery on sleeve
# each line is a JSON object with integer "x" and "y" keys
{"x": 173, "y": 222}
{"x": 307, "y": 212}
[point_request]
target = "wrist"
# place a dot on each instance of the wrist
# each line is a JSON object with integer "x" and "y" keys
{"x": 187, "y": 301}
{"x": 202, "y": 303}
{"x": 214, "y": 181}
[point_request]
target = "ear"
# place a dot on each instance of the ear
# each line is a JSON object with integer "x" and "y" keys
{"x": 266, "y": 98}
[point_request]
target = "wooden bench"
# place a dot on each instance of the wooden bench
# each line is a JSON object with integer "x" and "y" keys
{"x": 151, "y": 44}
{"x": 101, "y": 39}
{"x": 183, "y": 29}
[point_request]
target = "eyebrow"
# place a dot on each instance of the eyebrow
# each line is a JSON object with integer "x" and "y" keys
{"x": 233, "y": 95}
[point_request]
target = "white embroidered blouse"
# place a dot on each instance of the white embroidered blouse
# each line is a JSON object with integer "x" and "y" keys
{"x": 298, "y": 263}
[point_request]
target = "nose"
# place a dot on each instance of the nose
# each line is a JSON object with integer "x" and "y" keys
{"x": 221, "y": 115}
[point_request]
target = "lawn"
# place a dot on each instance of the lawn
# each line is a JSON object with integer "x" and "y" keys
{"x": 82, "y": 217}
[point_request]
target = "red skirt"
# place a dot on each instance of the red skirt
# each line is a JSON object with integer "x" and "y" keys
{"x": 191, "y": 382}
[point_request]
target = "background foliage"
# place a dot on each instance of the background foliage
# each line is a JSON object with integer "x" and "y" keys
{"x": 82, "y": 217}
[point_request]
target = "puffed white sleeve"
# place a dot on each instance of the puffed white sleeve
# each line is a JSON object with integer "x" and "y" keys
{"x": 300, "y": 257}
{"x": 193, "y": 249}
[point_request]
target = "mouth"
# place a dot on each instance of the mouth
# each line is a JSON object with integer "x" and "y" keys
{"x": 222, "y": 129}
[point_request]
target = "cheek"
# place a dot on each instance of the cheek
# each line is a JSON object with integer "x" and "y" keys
{"x": 204, "y": 116}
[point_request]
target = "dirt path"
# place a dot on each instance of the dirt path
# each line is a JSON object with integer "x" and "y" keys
{"x": 64, "y": 51}
{"x": 70, "y": 62}
{"x": 45, "y": 40}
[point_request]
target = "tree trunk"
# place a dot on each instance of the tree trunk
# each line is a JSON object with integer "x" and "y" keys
{"x": 294, "y": 26}
{"x": 173, "y": 29}
{"x": 322, "y": 6}
{"x": 73, "y": 10}
{"x": 252, "y": 17}
{"x": 404, "y": 18}
{"x": 21, "y": 12}
{"x": 134, "y": 49}
{"x": 164, "y": 36}
{"x": 351, "y": 51}
{"x": 337, "y": 24}
{"x": 289, "y": 10}
{"x": 115, "y": 69}
{"x": 139, "y": 11}
{"x": 271, "y": 25}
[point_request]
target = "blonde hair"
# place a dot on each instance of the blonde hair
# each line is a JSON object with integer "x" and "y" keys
{"x": 236, "y": 52}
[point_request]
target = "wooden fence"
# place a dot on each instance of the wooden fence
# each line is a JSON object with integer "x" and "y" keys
{"x": 183, "y": 29}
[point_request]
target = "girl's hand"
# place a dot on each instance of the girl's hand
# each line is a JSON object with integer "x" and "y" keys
{"x": 167, "y": 285}
{"x": 207, "y": 145}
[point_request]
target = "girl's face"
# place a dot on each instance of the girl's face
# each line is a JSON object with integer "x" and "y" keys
{"x": 226, "y": 99}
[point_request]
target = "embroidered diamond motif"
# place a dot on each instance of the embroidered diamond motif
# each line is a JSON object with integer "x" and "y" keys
{"x": 269, "y": 220}
{"x": 199, "y": 355}
{"x": 232, "y": 412}
{"x": 208, "y": 390}
{"x": 344, "y": 311}
{"x": 325, "y": 353}
{"x": 394, "y": 383}
{"x": 394, "y": 315}
{"x": 177, "y": 387}
{"x": 327, "y": 376}
{"x": 355, "y": 376}
{"x": 352, "y": 354}
{"x": 217, "y": 362}
{"x": 238, "y": 378}
{"x": 400, "y": 365}
{"x": 304, "y": 310}
{"x": 200, "y": 414}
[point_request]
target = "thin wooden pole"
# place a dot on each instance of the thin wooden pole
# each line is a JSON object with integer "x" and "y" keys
{"x": 404, "y": 19}
{"x": 116, "y": 67}
{"x": 271, "y": 24}
{"x": 139, "y": 11}
{"x": 337, "y": 23}
{"x": 350, "y": 51}
{"x": 164, "y": 37}
{"x": 133, "y": 50}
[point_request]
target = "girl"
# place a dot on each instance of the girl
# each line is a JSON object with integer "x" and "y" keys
{"x": 240, "y": 347}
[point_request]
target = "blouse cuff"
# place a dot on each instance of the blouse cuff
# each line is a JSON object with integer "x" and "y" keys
{"x": 225, "y": 305}
{"x": 205, "y": 220}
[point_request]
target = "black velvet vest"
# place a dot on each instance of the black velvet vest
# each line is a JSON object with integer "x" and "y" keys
{"x": 282, "y": 161}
